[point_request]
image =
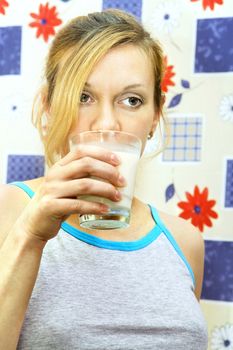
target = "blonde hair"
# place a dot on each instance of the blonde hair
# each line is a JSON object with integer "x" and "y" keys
{"x": 74, "y": 52}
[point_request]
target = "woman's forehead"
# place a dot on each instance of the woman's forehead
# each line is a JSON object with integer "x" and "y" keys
{"x": 128, "y": 64}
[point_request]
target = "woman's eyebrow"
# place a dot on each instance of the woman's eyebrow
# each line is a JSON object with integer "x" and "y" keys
{"x": 125, "y": 88}
{"x": 132, "y": 86}
{"x": 87, "y": 84}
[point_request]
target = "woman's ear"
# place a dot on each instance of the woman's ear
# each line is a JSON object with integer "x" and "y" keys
{"x": 44, "y": 125}
{"x": 163, "y": 100}
{"x": 44, "y": 98}
{"x": 157, "y": 116}
{"x": 158, "y": 113}
{"x": 45, "y": 111}
{"x": 154, "y": 124}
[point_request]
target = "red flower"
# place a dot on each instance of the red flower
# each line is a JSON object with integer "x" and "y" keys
{"x": 45, "y": 22}
{"x": 209, "y": 3}
{"x": 198, "y": 208}
{"x": 168, "y": 74}
{"x": 3, "y": 3}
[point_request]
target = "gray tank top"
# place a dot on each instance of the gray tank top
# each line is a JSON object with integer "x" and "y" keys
{"x": 93, "y": 293}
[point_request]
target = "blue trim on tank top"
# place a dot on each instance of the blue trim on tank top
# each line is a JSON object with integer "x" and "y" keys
{"x": 24, "y": 187}
{"x": 172, "y": 241}
{"x": 124, "y": 246}
{"x": 113, "y": 245}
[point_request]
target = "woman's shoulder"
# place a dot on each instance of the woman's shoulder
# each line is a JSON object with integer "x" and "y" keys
{"x": 13, "y": 201}
{"x": 190, "y": 241}
{"x": 186, "y": 235}
{"x": 14, "y": 194}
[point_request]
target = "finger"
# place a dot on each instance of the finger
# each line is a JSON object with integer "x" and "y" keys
{"x": 87, "y": 186}
{"x": 66, "y": 207}
{"x": 89, "y": 167}
{"x": 96, "y": 152}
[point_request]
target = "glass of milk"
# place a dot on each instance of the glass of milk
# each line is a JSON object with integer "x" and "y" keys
{"x": 128, "y": 148}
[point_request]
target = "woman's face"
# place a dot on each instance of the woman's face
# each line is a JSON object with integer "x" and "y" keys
{"x": 119, "y": 94}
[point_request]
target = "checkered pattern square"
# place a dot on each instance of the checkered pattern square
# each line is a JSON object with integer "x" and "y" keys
{"x": 24, "y": 167}
{"x": 134, "y": 6}
{"x": 184, "y": 140}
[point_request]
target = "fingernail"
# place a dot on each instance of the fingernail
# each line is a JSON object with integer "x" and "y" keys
{"x": 114, "y": 159}
{"x": 117, "y": 195}
{"x": 121, "y": 180}
{"x": 104, "y": 209}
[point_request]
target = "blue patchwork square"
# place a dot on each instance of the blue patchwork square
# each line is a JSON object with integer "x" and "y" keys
{"x": 134, "y": 6}
{"x": 229, "y": 184}
{"x": 10, "y": 50}
{"x": 214, "y": 45}
{"x": 218, "y": 272}
{"x": 184, "y": 140}
{"x": 24, "y": 167}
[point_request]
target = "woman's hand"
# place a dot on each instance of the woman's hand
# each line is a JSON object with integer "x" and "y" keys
{"x": 58, "y": 195}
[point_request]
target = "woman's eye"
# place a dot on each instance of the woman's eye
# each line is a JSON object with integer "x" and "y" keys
{"x": 84, "y": 98}
{"x": 132, "y": 101}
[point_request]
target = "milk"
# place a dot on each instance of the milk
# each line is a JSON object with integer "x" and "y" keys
{"x": 129, "y": 157}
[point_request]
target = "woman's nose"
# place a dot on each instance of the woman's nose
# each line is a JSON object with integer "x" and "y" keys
{"x": 106, "y": 118}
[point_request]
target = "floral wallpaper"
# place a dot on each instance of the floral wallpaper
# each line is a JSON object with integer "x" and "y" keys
{"x": 45, "y": 21}
{"x": 193, "y": 176}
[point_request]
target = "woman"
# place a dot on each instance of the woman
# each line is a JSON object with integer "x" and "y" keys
{"x": 61, "y": 287}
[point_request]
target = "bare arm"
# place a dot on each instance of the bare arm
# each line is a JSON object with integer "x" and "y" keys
{"x": 192, "y": 244}
{"x": 19, "y": 261}
{"x": 197, "y": 256}
{"x": 25, "y": 228}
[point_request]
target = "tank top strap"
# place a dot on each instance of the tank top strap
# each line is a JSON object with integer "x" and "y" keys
{"x": 24, "y": 187}
{"x": 172, "y": 240}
